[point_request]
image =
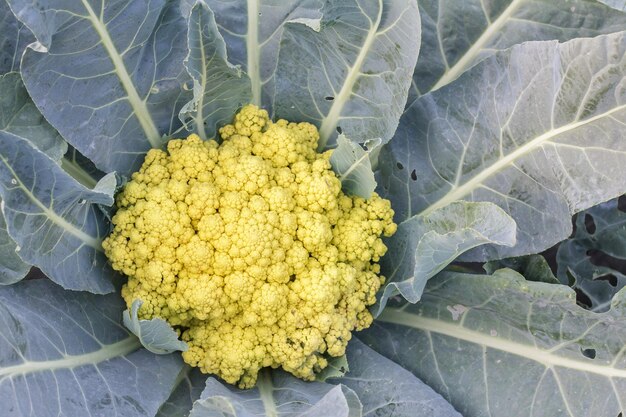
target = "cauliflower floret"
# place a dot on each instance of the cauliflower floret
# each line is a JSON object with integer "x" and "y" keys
{"x": 250, "y": 248}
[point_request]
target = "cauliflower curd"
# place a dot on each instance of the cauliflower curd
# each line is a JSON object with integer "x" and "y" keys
{"x": 250, "y": 249}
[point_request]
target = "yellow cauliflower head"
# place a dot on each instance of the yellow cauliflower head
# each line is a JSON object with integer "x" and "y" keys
{"x": 250, "y": 248}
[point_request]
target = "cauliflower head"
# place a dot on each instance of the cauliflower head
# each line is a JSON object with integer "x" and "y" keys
{"x": 250, "y": 249}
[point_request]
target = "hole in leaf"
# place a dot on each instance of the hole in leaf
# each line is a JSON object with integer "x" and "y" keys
{"x": 413, "y": 175}
{"x": 610, "y": 278}
{"x": 621, "y": 203}
{"x": 399, "y": 165}
{"x": 590, "y": 225}
{"x": 329, "y": 98}
{"x": 589, "y": 353}
{"x": 599, "y": 258}
{"x": 582, "y": 299}
{"x": 339, "y": 130}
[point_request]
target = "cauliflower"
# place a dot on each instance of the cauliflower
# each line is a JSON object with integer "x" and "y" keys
{"x": 250, "y": 249}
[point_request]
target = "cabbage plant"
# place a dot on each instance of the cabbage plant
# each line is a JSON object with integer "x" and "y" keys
{"x": 487, "y": 123}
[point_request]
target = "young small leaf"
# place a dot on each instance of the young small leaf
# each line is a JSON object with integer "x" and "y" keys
{"x": 219, "y": 88}
{"x": 424, "y": 245}
{"x": 156, "y": 335}
{"x": 352, "y": 165}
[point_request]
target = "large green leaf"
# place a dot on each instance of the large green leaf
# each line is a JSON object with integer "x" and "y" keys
{"x": 457, "y": 34}
{"x": 373, "y": 387}
{"x": 112, "y": 80}
{"x": 537, "y": 129}
{"x": 616, "y": 4}
{"x": 425, "y": 244}
{"x": 277, "y": 394}
{"x": 12, "y": 268}
{"x": 252, "y": 30}
{"x": 189, "y": 385}
{"x": 502, "y": 346}
{"x": 352, "y": 75}
{"x": 386, "y": 389}
{"x": 55, "y": 221}
{"x": 219, "y": 88}
{"x": 607, "y": 236}
{"x": 65, "y": 353}
{"x": 14, "y": 37}
{"x": 18, "y": 115}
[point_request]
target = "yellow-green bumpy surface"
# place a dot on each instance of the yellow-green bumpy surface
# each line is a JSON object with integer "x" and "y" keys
{"x": 250, "y": 248}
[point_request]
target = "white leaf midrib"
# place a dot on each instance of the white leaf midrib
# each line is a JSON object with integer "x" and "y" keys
{"x": 470, "y": 55}
{"x": 88, "y": 240}
{"x": 253, "y": 51}
{"x": 458, "y": 193}
{"x": 139, "y": 106}
{"x": 532, "y": 353}
{"x": 266, "y": 389}
{"x": 329, "y": 122}
{"x": 121, "y": 348}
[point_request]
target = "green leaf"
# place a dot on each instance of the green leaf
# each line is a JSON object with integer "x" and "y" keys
{"x": 252, "y": 30}
{"x": 425, "y": 244}
{"x": 12, "y": 268}
{"x": 502, "y": 346}
{"x": 457, "y": 35}
{"x": 156, "y": 334}
{"x": 14, "y": 37}
{"x": 189, "y": 385}
{"x": 337, "y": 367}
{"x": 66, "y": 353}
{"x": 55, "y": 220}
{"x": 352, "y": 75}
{"x": 608, "y": 237}
{"x": 277, "y": 394}
{"x": 109, "y": 74}
{"x": 18, "y": 115}
{"x": 534, "y": 267}
{"x": 219, "y": 88}
{"x": 537, "y": 129}
{"x": 387, "y": 389}
{"x": 616, "y": 4}
{"x": 352, "y": 165}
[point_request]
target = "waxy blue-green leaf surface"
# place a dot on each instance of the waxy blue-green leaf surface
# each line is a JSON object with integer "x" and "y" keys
{"x": 66, "y": 353}
{"x": 533, "y": 267}
{"x": 353, "y": 167}
{"x": 189, "y": 384}
{"x": 18, "y": 115}
{"x": 352, "y": 75}
{"x": 574, "y": 256}
{"x": 112, "y": 80}
{"x": 424, "y": 245}
{"x": 501, "y": 346}
{"x": 14, "y": 37}
{"x": 252, "y": 30}
{"x": 219, "y": 88}
{"x": 458, "y": 34}
{"x": 277, "y": 394}
{"x": 537, "y": 129}
{"x": 155, "y": 334}
{"x": 55, "y": 221}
